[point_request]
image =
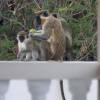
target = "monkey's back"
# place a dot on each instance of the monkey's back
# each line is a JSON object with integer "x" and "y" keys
{"x": 57, "y": 39}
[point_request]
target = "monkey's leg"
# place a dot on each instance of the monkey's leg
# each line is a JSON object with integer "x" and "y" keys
{"x": 35, "y": 55}
{"x": 28, "y": 56}
{"x": 57, "y": 58}
{"x": 42, "y": 53}
{"x": 20, "y": 56}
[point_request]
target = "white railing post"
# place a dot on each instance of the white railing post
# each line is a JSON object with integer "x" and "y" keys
{"x": 3, "y": 88}
{"x": 54, "y": 91}
{"x": 98, "y": 89}
{"x": 79, "y": 89}
{"x": 38, "y": 89}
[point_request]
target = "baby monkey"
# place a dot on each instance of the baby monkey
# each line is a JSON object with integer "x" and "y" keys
{"x": 26, "y": 49}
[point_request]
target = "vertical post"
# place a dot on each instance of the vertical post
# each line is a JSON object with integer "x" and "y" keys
{"x": 3, "y": 88}
{"x": 79, "y": 89}
{"x": 98, "y": 29}
{"x": 38, "y": 89}
{"x": 98, "y": 89}
{"x": 55, "y": 90}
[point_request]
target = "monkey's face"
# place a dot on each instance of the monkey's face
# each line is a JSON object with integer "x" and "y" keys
{"x": 21, "y": 36}
{"x": 40, "y": 19}
{"x": 45, "y": 18}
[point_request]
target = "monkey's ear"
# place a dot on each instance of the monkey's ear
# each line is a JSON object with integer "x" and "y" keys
{"x": 55, "y": 15}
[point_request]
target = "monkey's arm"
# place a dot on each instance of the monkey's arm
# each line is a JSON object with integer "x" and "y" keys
{"x": 39, "y": 37}
{"x": 21, "y": 55}
{"x": 46, "y": 32}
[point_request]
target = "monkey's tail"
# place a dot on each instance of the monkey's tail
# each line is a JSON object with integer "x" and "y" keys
{"x": 62, "y": 90}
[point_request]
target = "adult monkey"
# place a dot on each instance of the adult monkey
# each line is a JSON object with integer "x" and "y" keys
{"x": 57, "y": 36}
{"x": 54, "y": 33}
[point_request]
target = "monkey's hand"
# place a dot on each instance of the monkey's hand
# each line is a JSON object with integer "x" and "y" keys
{"x": 39, "y": 35}
{"x": 39, "y": 38}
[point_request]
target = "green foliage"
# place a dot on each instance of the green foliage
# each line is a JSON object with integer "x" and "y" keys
{"x": 80, "y": 16}
{"x": 4, "y": 29}
{"x": 6, "y": 52}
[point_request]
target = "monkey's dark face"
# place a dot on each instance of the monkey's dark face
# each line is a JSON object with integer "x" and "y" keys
{"x": 21, "y": 38}
{"x": 38, "y": 21}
